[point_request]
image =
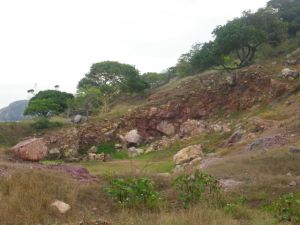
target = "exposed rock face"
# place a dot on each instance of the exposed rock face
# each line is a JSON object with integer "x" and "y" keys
{"x": 290, "y": 74}
{"x": 33, "y": 149}
{"x": 166, "y": 128}
{"x": 213, "y": 93}
{"x": 188, "y": 154}
{"x": 62, "y": 207}
{"x": 133, "y": 138}
{"x": 265, "y": 143}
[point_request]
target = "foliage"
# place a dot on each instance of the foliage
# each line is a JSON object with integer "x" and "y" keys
{"x": 197, "y": 187}
{"x": 241, "y": 37}
{"x": 155, "y": 79}
{"x": 44, "y": 123}
{"x": 288, "y": 208}
{"x": 112, "y": 76}
{"x": 289, "y": 11}
{"x": 86, "y": 101}
{"x": 48, "y": 103}
{"x": 133, "y": 192}
{"x": 106, "y": 147}
{"x": 235, "y": 44}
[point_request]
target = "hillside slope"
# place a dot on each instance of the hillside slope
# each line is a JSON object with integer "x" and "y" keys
{"x": 13, "y": 112}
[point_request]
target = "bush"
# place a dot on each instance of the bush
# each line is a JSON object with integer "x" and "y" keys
{"x": 133, "y": 192}
{"x": 44, "y": 123}
{"x": 197, "y": 187}
{"x": 287, "y": 208}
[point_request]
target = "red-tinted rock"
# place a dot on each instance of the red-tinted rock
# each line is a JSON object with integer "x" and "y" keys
{"x": 33, "y": 149}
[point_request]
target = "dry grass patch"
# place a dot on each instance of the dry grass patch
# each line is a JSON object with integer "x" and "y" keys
{"x": 26, "y": 197}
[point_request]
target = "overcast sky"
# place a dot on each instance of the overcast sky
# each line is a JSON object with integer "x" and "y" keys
{"x": 49, "y": 42}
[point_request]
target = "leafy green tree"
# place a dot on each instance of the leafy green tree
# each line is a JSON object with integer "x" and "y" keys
{"x": 48, "y": 103}
{"x": 242, "y": 36}
{"x": 112, "y": 76}
{"x": 86, "y": 101}
{"x": 204, "y": 56}
{"x": 289, "y": 11}
{"x": 155, "y": 79}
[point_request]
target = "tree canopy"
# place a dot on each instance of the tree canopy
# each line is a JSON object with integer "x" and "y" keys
{"x": 112, "y": 76}
{"x": 289, "y": 11}
{"x": 49, "y": 102}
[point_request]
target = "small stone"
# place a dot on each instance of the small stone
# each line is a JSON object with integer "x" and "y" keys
{"x": 294, "y": 150}
{"x": 62, "y": 207}
{"x": 292, "y": 184}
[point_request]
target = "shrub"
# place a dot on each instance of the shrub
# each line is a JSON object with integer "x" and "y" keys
{"x": 287, "y": 208}
{"x": 44, "y": 123}
{"x": 133, "y": 192}
{"x": 109, "y": 148}
{"x": 197, "y": 187}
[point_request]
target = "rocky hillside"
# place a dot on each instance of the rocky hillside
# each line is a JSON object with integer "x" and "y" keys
{"x": 13, "y": 112}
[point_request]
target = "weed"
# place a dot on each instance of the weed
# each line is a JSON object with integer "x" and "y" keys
{"x": 133, "y": 192}
{"x": 197, "y": 187}
{"x": 287, "y": 208}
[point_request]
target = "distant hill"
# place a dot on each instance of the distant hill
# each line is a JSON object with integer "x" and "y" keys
{"x": 13, "y": 112}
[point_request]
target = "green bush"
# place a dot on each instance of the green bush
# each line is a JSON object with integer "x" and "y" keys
{"x": 106, "y": 147}
{"x": 44, "y": 123}
{"x": 287, "y": 208}
{"x": 109, "y": 148}
{"x": 133, "y": 192}
{"x": 196, "y": 188}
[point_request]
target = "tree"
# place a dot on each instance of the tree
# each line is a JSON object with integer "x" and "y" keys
{"x": 241, "y": 37}
{"x": 289, "y": 11}
{"x": 86, "y": 100}
{"x": 48, "y": 103}
{"x": 155, "y": 79}
{"x": 204, "y": 56}
{"x": 112, "y": 76}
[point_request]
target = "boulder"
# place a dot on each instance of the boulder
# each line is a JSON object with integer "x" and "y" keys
{"x": 70, "y": 152}
{"x": 166, "y": 128}
{"x": 192, "y": 127}
{"x": 294, "y": 150}
{"x": 98, "y": 157}
{"x": 60, "y": 206}
{"x": 54, "y": 153}
{"x": 289, "y": 74}
{"x": 133, "y": 152}
{"x": 235, "y": 137}
{"x": 79, "y": 119}
{"x": 133, "y": 138}
{"x": 93, "y": 149}
{"x": 188, "y": 154}
{"x": 33, "y": 149}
